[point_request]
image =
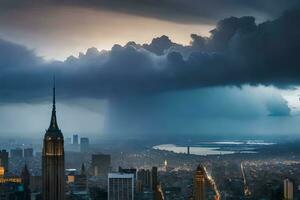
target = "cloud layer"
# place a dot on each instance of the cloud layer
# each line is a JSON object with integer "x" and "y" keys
{"x": 238, "y": 52}
{"x": 191, "y": 11}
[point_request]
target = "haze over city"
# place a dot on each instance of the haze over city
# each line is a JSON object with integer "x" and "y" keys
{"x": 149, "y": 100}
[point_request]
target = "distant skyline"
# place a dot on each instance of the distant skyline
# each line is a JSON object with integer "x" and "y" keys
{"x": 135, "y": 69}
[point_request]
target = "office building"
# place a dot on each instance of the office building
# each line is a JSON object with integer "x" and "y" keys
{"x": 199, "y": 184}
{"x": 4, "y": 159}
{"x": 120, "y": 186}
{"x": 288, "y": 189}
{"x": 101, "y": 164}
{"x": 28, "y": 153}
{"x": 154, "y": 179}
{"x": 84, "y": 144}
{"x": 145, "y": 177}
{"x": 53, "y": 160}
{"x": 128, "y": 171}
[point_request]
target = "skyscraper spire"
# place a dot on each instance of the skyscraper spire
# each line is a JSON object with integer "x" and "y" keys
{"x": 53, "y": 123}
{"x": 53, "y": 160}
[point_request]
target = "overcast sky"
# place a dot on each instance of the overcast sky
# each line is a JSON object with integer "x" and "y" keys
{"x": 136, "y": 68}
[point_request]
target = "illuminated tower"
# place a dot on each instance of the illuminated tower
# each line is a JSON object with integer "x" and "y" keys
{"x": 288, "y": 189}
{"x": 53, "y": 160}
{"x": 199, "y": 184}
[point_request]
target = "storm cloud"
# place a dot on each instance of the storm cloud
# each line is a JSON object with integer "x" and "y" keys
{"x": 238, "y": 52}
{"x": 191, "y": 11}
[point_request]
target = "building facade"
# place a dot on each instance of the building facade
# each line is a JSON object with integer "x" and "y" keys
{"x": 101, "y": 164}
{"x": 288, "y": 189}
{"x": 199, "y": 184}
{"x": 120, "y": 186}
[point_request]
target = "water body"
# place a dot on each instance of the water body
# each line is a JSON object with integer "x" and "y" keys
{"x": 215, "y": 148}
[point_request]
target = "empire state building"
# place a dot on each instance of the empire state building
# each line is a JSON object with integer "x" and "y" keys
{"x": 53, "y": 160}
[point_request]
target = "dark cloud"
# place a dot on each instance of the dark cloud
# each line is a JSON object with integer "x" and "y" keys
{"x": 191, "y": 11}
{"x": 237, "y": 52}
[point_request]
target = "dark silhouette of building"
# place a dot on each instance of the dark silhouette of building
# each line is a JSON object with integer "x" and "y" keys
{"x": 101, "y": 164}
{"x": 25, "y": 176}
{"x": 145, "y": 177}
{"x": 84, "y": 144}
{"x": 154, "y": 180}
{"x": 53, "y": 160}
{"x": 4, "y": 159}
{"x": 199, "y": 184}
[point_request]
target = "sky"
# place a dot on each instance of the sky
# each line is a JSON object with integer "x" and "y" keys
{"x": 134, "y": 69}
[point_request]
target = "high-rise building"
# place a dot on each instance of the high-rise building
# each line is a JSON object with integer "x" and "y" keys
{"x": 75, "y": 139}
{"x": 154, "y": 179}
{"x": 16, "y": 153}
{"x": 84, "y": 144}
{"x": 4, "y": 159}
{"x": 28, "y": 153}
{"x": 101, "y": 164}
{"x": 120, "y": 186}
{"x": 53, "y": 160}
{"x": 199, "y": 184}
{"x": 288, "y": 189}
{"x": 145, "y": 177}
{"x": 128, "y": 171}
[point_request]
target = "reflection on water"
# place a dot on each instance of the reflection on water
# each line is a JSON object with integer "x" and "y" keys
{"x": 193, "y": 150}
{"x": 216, "y": 148}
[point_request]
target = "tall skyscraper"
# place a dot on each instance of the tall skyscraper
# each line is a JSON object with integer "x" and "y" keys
{"x": 101, "y": 164}
{"x": 145, "y": 177}
{"x": 4, "y": 159}
{"x": 288, "y": 189}
{"x": 199, "y": 184}
{"x": 120, "y": 186}
{"x": 84, "y": 144}
{"x": 53, "y": 160}
{"x": 154, "y": 180}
